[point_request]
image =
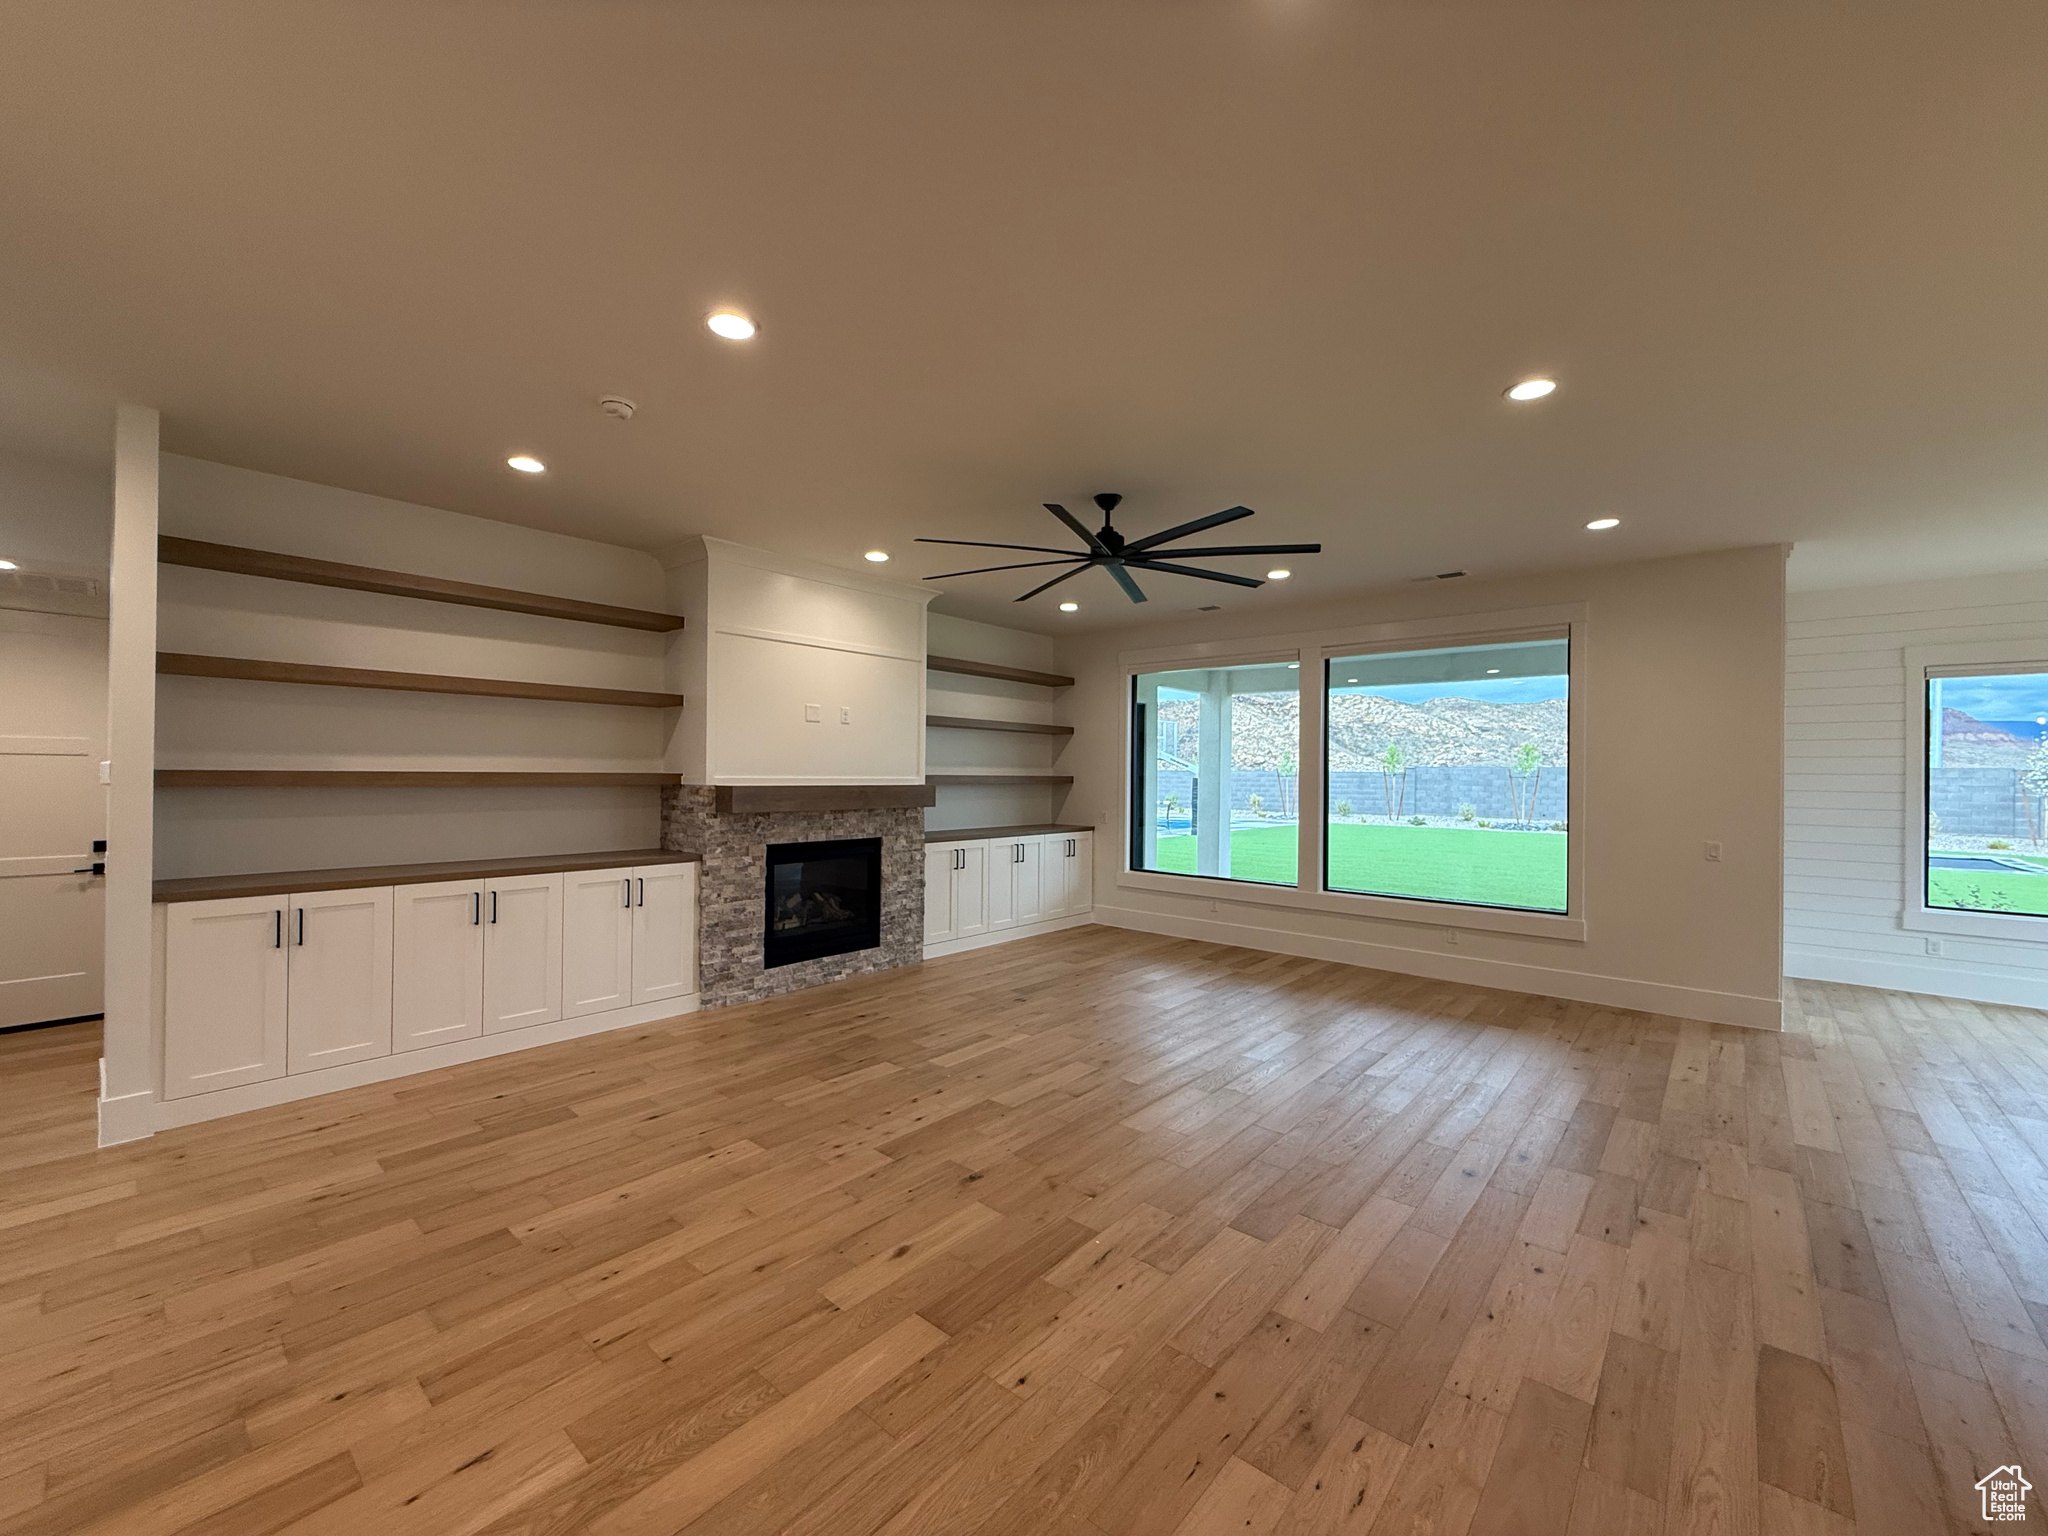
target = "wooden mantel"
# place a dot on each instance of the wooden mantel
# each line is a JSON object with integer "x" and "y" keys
{"x": 750, "y": 799}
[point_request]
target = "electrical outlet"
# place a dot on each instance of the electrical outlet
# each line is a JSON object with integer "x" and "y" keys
{"x": 1934, "y": 946}
{"x": 1451, "y": 937}
{"x": 1711, "y": 852}
{"x": 813, "y": 713}
{"x": 106, "y": 773}
{"x": 845, "y": 715}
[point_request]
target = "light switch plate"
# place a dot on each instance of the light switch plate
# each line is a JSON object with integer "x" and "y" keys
{"x": 814, "y": 713}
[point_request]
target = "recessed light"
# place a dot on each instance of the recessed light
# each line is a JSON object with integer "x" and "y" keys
{"x": 876, "y": 555}
{"x": 1599, "y": 523}
{"x": 1493, "y": 671}
{"x": 1070, "y": 607}
{"x": 8, "y": 565}
{"x": 1294, "y": 666}
{"x": 732, "y": 325}
{"x": 1350, "y": 679}
{"x": 526, "y": 463}
{"x": 1532, "y": 389}
{"x": 1278, "y": 575}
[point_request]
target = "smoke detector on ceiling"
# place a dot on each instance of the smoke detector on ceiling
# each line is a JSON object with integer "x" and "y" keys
{"x": 618, "y": 407}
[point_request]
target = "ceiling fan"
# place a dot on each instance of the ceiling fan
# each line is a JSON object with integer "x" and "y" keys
{"x": 1110, "y": 550}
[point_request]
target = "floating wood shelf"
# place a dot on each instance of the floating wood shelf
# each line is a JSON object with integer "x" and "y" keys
{"x": 990, "y": 669}
{"x": 946, "y": 779}
{"x": 966, "y": 723}
{"x": 183, "y": 664}
{"x": 364, "y": 578}
{"x": 289, "y": 881}
{"x": 378, "y": 778}
{"x": 751, "y": 799}
{"x": 997, "y": 834}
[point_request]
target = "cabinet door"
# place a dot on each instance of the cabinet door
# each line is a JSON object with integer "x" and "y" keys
{"x": 437, "y": 963}
{"x": 970, "y": 891}
{"x": 1052, "y": 875}
{"x": 523, "y": 951}
{"x": 224, "y": 994}
{"x": 597, "y": 941}
{"x": 338, "y": 977}
{"x": 1001, "y": 884}
{"x": 1024, "y": 876}
{"x": 941, "y": 865}
{"x": 1080, "y": 865}
{"x": 664, "y": 932}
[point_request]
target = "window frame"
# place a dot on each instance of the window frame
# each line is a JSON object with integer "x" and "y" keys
{"x": 1922, "y": 662}
{"x": 1313, "y": 649}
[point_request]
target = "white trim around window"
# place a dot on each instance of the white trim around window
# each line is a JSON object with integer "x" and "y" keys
{"x": 1923, "y": 662}
{"x": 1310, "y": 649}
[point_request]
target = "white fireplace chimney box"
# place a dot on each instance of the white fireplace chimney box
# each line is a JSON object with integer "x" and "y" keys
{"x": 793, "y": 671}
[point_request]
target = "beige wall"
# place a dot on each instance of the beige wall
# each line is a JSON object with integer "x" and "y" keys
{"x": 212, "y": 723}
{"x": 1681, "y": 679}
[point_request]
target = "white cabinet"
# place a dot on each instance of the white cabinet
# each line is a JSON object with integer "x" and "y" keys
{"x": 1068, "y": 873}
{"x": 224, "y": 994}
{"x": 597, "y": 941}
{"x": 522, "y": 951}
{"x": 956, "y": 895}
{"x": 1014, "y": 894}
{"x": 664, "y": 932}
{"x": 338, "y": 968}
{"x": 437, "y": 963}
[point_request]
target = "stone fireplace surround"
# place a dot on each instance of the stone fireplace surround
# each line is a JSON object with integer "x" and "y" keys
{"x": 731, "y": 880}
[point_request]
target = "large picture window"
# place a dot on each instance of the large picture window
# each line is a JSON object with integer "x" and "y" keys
{"x": 1987, "y": 791}
{"x": 1215, "y": 777}
{"x": 1448, "y": 774}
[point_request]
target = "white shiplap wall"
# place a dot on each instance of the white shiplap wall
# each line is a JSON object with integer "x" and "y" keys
{"x": 1847, "y": 785}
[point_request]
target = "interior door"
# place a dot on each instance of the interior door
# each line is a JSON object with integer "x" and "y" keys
{"x": 224, "y": 993}
{"x": 53, "y": 711}
{"x": 664, "y": 932}
{"x": 522, "y": 951}
{"x": 437, "y": 963}
{"x": 338, "y": 989}
{"x": 597, "y": 941}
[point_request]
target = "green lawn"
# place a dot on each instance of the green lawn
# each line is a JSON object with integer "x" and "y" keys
{"x": 1491, "y": 867}
{"x": 1978, "y": 891}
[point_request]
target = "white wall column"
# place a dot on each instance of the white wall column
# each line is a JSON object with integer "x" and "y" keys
{"x": 128, "y": 1073}
{"x": 1212, "y": 777}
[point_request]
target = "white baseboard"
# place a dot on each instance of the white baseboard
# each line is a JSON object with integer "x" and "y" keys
{"x": 168, "y": 1113}
{"x": 1004, "y": 935}
{"x": 125, "y": 1117}
{"x": 1578, "y": 986}
{"x": 1933, "y": 980}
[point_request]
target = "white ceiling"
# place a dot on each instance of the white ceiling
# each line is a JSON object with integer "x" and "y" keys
{"x": 1787, "y": 260}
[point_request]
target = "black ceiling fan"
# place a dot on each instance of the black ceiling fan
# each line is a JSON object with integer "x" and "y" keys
{"x": 1119, "y": 556}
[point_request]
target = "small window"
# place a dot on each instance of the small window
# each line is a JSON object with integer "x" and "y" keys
{"x": 1215, "y": 782}
{"x": 1448, "y": 774}
{"x": 1987, "y": 792}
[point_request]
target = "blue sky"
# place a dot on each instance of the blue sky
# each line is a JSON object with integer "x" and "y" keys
{"x": 1490, "y": 690}
{"x": 2018, "y": 696}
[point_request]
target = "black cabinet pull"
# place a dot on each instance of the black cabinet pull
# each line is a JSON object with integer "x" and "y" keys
{"x": 627, "y": 882}
{"x": 476, "y": 909}
{"x": 302, "y": 927}
{"x": 277, "y": 936}
{"x": 494, "y": 906}
{"x": 641, "y": 880}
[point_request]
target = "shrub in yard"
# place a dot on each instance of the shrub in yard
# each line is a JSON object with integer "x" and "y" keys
{"x": 1557, "y": 826}
{"x": 1467, "y": 812}
{"x": 1258, "y": 805}
{"x": 1418, "y": 821}
{"x": 1998, "y": 842}
{"x": 1344, "y": 809}
{"x": 1484, "y": 823}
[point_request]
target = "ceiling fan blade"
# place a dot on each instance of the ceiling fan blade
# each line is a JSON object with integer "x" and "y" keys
{"x": 1021, "y": 565}
{"x": 1063, "y": 576}
{"x": 1247, "y": 549}
{"x": 1122, "y": 578}
{"x": 1189, "y": 570}
{"x": 1230, "y": 515}
{"x": 1039, "y": 549}
{"x": 1078, "y": 526}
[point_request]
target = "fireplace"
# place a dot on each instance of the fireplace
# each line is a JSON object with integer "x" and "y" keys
{"x": 821, "y": 899}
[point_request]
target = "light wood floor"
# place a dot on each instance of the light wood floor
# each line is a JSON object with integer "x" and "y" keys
{"x": 1089, "y": 1235}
